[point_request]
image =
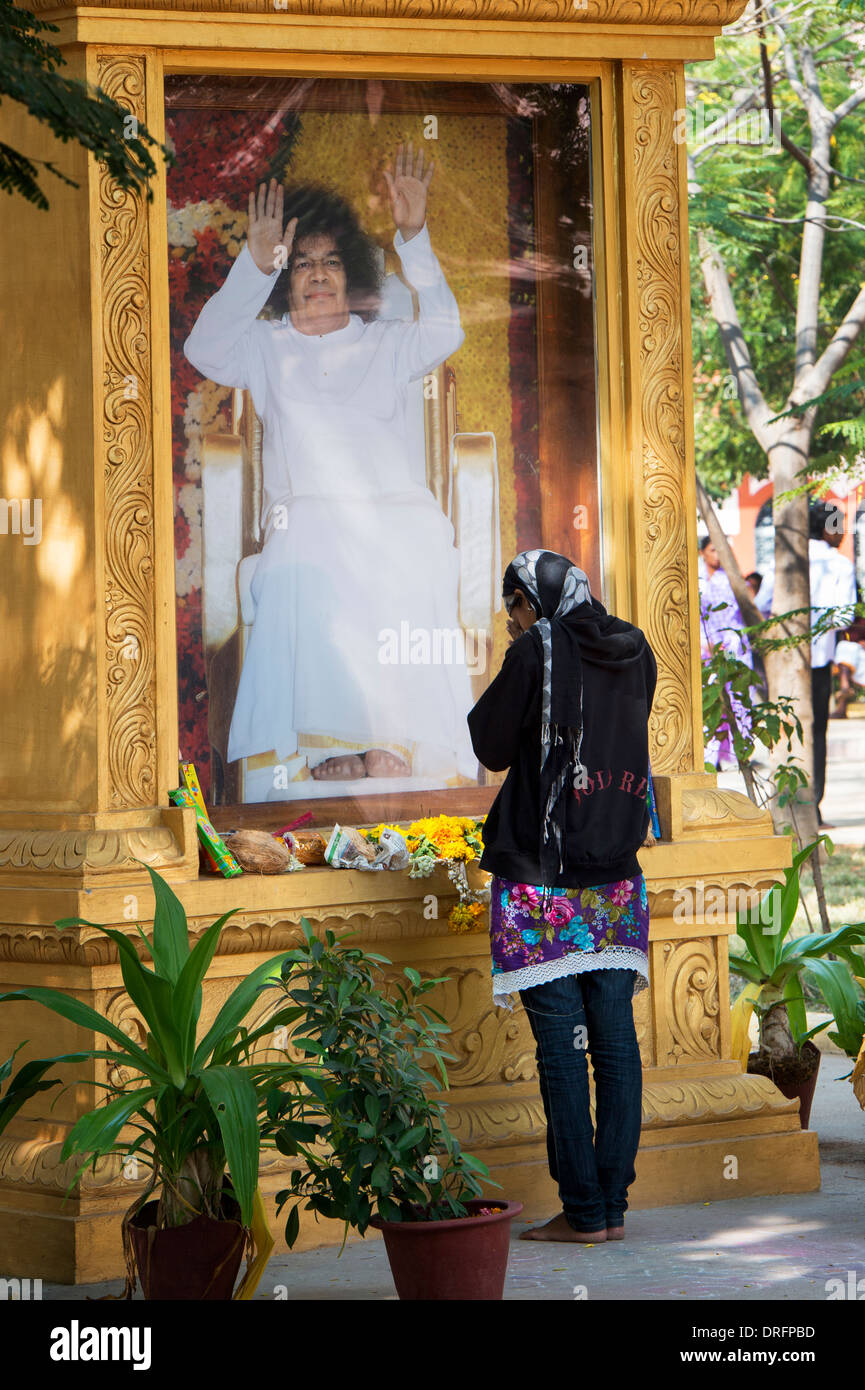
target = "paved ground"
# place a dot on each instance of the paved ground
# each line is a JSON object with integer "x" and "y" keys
{"x": 843, "y": 804}
{"x": 746, "y": 1249}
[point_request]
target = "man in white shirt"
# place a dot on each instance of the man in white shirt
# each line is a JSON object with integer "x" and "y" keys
{"x": 355, "y": 543}
{"x": 833, "y": 585}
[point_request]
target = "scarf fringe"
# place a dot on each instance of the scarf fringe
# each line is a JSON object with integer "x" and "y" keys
{"x": 554, "y": 824}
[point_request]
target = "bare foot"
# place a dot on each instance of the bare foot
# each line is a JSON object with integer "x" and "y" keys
{"x": 558, "y": 1229}
{"x": 380, "y": 763}
{"x": 346, "y": 769}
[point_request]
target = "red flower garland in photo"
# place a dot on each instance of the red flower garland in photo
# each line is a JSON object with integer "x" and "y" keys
{"x": 221, "y": 155}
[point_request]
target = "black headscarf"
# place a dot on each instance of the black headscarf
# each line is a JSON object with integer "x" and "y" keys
{"x": 572, "y": 627}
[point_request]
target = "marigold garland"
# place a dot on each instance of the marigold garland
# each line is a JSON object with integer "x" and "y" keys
{"x": 466, "y": 917}
{"x": 454, "y": 841}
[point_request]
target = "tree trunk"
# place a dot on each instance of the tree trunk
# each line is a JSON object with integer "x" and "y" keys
{"x": 775, "y": 1035}
{"x": 788, "y": 671}
{"x": 192, "y": 1192}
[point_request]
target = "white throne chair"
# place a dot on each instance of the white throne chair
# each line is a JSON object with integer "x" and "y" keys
{"x": 461, "y": 470}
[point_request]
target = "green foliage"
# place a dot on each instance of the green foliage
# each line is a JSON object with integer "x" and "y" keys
{"x": 27, "y": 1081}
{"x": 382, "y": 1144}
{"x": 776, "y": 964}
{"x": 194, "y": 1105}
{"x": 752, "y": 201}
{"x": 725, "y": 678}
{"x": 843, "y": 999}
{"x": 771, "y": 721}
{"x": 70, "y": 108}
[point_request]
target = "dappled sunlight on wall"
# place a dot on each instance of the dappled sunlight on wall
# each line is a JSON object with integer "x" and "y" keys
{"x": 47, "y": 577}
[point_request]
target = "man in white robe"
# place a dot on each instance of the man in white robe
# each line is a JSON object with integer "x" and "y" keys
{"x": 353, "y": 544}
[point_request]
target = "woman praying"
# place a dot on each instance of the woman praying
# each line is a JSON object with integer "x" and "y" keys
{"x": 567, "y": 715}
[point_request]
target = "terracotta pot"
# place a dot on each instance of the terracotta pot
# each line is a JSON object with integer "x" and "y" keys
{"x": 465, "y": 1258}
{"x": 198, "y": 1261}
{"x": 797, "y": 1081}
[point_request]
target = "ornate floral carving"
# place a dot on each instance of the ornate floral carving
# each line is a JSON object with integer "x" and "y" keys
{"x": 94, "y": 851}
{"x": 691, "y": 1001}
{"x": 709, "y": 13}
{"x": 667, "y": 1103}
{"x": 35, "y": 1163}
{"x": 662, "y": 426}
{"x": 489, "y": 1044}
{"x": 127, "y": 458}
{"x": 715, "y": 808}
{"x": 490, "y": 1124}
{"x": 249, "y": 933}
{"x": 119, "y": 1009}
{"x": 710, "y": 900}
{"x": 643, "y": 1028}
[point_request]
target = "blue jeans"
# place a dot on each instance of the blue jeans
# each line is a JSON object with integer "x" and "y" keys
{"x": 593, "y": 1172}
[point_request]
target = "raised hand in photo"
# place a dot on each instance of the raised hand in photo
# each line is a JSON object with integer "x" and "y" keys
{"x": 265, "y": 234}
{"x": 408, "y": 186}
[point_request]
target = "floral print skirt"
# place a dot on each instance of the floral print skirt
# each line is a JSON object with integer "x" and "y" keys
{"x": 606, "y": 927}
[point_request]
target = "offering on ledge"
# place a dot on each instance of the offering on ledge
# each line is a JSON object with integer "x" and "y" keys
{"x": 260, "y": 852}
{"x": 347, "y": 849}
{"x": 221, "y": 859}
{"x": 309, "y": 846}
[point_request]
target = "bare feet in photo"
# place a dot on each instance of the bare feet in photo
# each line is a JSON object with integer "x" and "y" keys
{"x": 558, "y": 1229}
{"x": 349, "y": 767}
{"x": 345, "y": 769}
{"x": 380, "y": 763}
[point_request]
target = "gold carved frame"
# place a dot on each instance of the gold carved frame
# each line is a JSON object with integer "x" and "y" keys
{"x": 644, "y": 469}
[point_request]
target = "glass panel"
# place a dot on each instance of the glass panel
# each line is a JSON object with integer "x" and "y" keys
{"x": 368, "y": 426}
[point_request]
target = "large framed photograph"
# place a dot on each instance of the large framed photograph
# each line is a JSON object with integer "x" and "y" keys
{"x": 383, "y": 388}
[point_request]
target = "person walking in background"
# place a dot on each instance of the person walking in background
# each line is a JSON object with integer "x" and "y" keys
{"x": 567, "y": 715}
{"x": 754, "y": 580}
{"x": 833, "y": 586}
{"x": 721, "y": 623}
{"x": 850, "y": 665}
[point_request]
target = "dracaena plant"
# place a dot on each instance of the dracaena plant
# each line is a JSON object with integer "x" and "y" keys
{"x": 189, "y": 1103}
{"x": 380, "y": 1141}
{"x": 773, "y": 966}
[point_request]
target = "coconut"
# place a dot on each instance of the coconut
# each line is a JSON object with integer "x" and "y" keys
{"x": 258, "y": 852}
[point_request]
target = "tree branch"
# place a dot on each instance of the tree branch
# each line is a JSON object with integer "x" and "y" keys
{"x": 849, "y": 104}
{"x": 748, "y": 608}
{"x": 769, "y": 98}
{"x": 788, "y": 55}
{"x": 817, "y": 379}
{"x": 735, "y": 346}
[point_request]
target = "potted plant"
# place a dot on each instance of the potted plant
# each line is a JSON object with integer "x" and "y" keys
{"x": 385, "y": 1156}
{"x": 773, "y": 967}
{"x": 193, "y": 1102}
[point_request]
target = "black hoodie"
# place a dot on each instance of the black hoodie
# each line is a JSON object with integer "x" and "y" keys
{"x": 607, "y": 822}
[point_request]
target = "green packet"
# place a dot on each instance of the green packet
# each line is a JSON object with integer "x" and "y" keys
{"x": 216, "y": 850}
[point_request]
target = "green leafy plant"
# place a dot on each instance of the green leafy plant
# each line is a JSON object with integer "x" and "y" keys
{"x": 193, "y": 1103}
{"x": 844, "y": 1001}
{"x": 770, "y": 721}
{"x": 380, "y": 1141}
{"x": 726, "y": 677}
{"x": 773, "y": 967}
{"x": 28, "y": 1081}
